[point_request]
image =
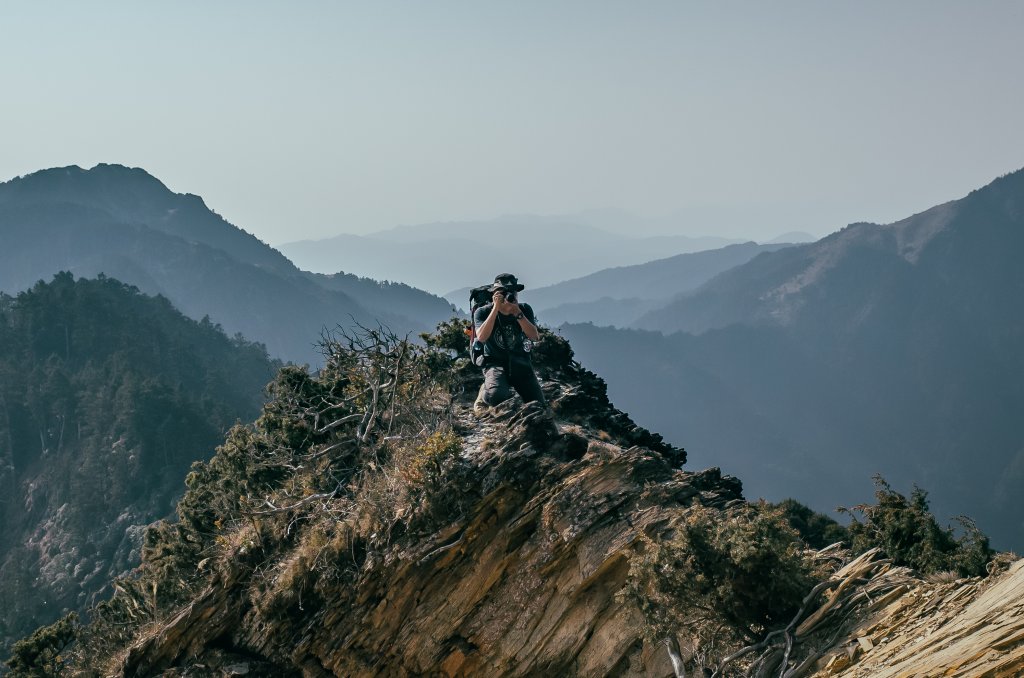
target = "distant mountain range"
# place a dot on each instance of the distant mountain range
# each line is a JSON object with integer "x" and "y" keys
{"x": 881, "y": 348}
{"x": 125, "y": 223}
{"x": 619, "y": 296}
{"x": 450, "y": 256}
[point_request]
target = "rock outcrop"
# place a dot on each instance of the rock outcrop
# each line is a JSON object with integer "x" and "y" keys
{"x": 964, "y": 627}
{"x": 524, "y": 585}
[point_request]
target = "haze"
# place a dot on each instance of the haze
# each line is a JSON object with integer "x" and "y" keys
{"x": 305, "y": 120}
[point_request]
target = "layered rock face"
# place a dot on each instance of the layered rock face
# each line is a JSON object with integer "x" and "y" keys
{"x": 967, "y": 627}
{"x": 528, "y": 584}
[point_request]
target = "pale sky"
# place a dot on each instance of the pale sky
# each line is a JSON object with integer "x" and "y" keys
{"x": 307, "y": 119}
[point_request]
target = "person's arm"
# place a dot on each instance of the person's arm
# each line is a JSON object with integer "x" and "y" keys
{"x": 486, "y": 328}
{"x": 526, "y": 324}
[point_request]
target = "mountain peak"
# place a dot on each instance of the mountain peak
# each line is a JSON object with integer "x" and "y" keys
{"x": 125, "y": 223}
{"x": 74, "y": 184}
{"x": 134, "y": 197}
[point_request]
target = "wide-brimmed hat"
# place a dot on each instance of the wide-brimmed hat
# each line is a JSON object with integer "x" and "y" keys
{"x": 506, "y": 280}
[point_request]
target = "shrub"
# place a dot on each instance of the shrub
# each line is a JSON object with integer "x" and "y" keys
{"x": 721, "y": 577}
{"x": 423, "y": 485}
{"x": 908, "y": 533}
{"x": 437, "y": 478}
{"x": 450, "y": 335}
{"x": 39, "y": 655}
{"x": 816, "y": 529}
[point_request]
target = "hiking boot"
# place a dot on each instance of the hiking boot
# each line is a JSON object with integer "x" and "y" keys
{"x": 480, "y": 408}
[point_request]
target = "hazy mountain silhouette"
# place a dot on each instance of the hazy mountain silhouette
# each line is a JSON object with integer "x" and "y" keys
{"x": 792, "y": 237}
{"x": 132, "y": 196}
{"x": 619, "y": 296}
{"x": 126, "y": 224}
{"x": 892, "y": 349}
{"x": 448, "y": 256}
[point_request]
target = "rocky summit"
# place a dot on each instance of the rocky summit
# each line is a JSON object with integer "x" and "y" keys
{"x": 523, "y": 583}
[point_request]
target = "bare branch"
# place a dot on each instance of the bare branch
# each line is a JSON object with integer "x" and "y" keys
{"x": 398, "y": 368}
{"x": 674, "y": 655}
{"x": 339, "y": 422}
{"x": 302, "y": 502}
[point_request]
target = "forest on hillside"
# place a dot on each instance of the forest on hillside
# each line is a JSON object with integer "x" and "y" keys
{"x": 107, "y": 397}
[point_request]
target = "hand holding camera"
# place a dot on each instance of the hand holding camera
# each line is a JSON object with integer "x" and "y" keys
{"x": 505, "y": 302}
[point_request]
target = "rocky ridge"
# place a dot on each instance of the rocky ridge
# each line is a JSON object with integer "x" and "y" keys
{"x": 515, "y": 566}
{"x": 524, "y": 584}
{"x": 527, "y": 585}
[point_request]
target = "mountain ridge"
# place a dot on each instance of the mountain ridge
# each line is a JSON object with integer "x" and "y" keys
{"x": 637, "y": 287}
{"x": 881, "y": 348}
{"x": 776, "y": 282}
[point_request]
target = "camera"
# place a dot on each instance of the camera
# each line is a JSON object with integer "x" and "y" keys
{"x": 479, "y": 296}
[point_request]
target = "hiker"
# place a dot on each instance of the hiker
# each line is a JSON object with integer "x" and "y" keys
{"x": 506, "y": 329}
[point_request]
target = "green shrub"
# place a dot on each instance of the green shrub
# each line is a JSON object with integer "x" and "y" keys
{"x": 816, "y": 529}
{"x": 39, "y": 655}
{"x": 721, "y": 577}
{"x": 908, "y": 533}
{"x": 451, "y": 335}
{"x": 437, "y": 480}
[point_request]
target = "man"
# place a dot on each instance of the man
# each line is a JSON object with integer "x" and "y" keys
{"x": 504, "y": 327}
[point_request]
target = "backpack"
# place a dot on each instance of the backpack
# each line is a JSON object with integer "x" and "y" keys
{"x": 478, "y": 296}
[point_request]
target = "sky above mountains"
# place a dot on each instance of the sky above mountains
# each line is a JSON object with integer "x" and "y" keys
{"x": 735, "y": 119}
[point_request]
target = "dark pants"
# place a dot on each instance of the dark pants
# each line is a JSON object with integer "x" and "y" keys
{"x": 499, "y": 380}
